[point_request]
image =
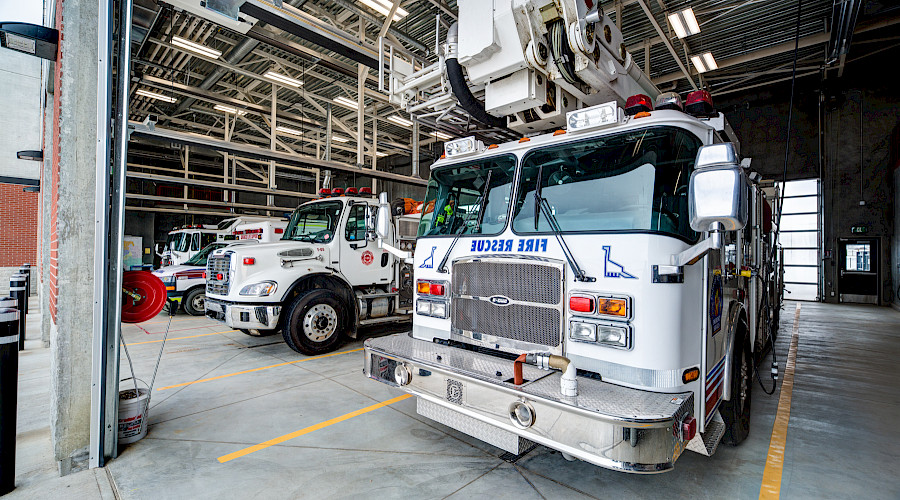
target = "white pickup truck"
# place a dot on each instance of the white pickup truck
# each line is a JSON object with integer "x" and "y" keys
{"x": 321, "y": 281}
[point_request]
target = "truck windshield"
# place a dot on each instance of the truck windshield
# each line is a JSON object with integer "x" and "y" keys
{"x": 631, "y": 181}
{"x": 314, "y": 222}
{"x": 178, "y": 242}
{"x": 453, "y": 198}
{"x": 199, "y": 259}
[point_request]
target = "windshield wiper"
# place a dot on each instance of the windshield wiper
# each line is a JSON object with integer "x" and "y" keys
{"x": 480, "y": 216}
{"x": 542, "y": 205}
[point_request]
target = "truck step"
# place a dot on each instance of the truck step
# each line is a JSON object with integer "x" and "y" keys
{"x": 705, "y": 443}
{"x": 505, "y": 440}
{"x": 386, "y": 319}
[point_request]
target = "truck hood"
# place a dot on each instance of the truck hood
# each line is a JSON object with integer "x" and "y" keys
{"x": 171, "y": 270}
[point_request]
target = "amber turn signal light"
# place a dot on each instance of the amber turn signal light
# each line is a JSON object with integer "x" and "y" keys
{"x": 690, "y": 375}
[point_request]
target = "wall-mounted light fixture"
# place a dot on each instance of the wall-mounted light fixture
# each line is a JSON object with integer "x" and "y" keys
{"x": 30, "y": 154}
{"x": 31, "y": 39}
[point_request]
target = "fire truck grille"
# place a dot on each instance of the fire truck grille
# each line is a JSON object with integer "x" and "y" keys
{"x": 218, "y": 265}
{"x": 507, "y": 298}
{"x": 516, "y": 280}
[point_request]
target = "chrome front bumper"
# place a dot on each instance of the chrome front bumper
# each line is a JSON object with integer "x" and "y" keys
{"x": 607, "y": 425}
{"x": 243, "y": 316}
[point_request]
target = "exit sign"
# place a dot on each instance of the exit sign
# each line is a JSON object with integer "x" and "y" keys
{"x": 859, "y": 229}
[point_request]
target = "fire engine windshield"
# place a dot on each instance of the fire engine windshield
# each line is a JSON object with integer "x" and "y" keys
{"x": 314, "y": 222}
{"x": 631, "y": 181}
{"x": 178, "y": 242}
{"x": 457, "y": 193}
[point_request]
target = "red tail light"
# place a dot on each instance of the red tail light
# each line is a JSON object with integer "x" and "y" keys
{"x": 637, "y": 103}
{"x": 581, "y": 304}
{"x": 279, "y": 230}
{"x": 689, "y": 428}
{"x": 249, "y": 261}
{"x": 428, "y": 288}
{"x": 436, "y": 289}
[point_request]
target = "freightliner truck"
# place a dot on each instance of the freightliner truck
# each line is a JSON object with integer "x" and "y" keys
{"x": 603, "y": 289}
{"x": 321, "y": 281}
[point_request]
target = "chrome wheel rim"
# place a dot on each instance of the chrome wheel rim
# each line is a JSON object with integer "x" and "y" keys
{"x": 320, "y": 322}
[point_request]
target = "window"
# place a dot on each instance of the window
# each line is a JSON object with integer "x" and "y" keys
{"x": 858, "y": 258}
{"x": 799, "y": 239}
{"x": 207, "y": 238}
{"x": 314, "y": 222}
{"x": 356, "y": 224}
{"x": 199, "y": 259}
{"x": 457, "y": 194}
{"x": 631, "y": 181}
{"x": 181, "y": 242}
{"x": 195, "y": 242}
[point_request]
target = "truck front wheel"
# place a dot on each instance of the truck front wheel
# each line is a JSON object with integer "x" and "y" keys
{"x": 736, "y": 413}
{"x": 315, "y": 322}
{"x": 193, "y": 301}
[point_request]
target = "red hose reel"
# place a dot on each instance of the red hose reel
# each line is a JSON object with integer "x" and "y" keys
{"x": 143, "y": 296}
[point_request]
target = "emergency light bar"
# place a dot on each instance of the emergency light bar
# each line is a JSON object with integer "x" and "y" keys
{"x": 601, "y": 115}
{"x": 461, "y": 147}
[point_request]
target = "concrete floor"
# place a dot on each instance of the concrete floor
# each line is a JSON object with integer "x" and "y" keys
{"x": 841, "y": 441}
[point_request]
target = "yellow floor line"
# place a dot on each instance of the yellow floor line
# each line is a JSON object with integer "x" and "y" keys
{"x": 257, "y": 369}
{"x": 771, "y": 481}
{"x": 166, "y": 321}
{"x": 180, "y": 338}
{"x": 307, "y": 430}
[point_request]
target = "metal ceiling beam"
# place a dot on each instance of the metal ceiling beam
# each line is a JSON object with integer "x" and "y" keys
{"x": 141, "y": 130}
{"x": 668, "y": 43}
{"x": 218, "y": 203}
{"x": 368, "y": 17}
{"x": 190, "y": 211}
{"x": 218, "y": 185}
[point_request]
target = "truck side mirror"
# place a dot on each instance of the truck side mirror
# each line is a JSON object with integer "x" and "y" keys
{"x": 718, "y": 190}
{"x": 383, "y": 217}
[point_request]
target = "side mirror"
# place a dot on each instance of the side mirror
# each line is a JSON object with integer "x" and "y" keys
{"x": 383, "y": 217}
{"x": 718, "y": 190}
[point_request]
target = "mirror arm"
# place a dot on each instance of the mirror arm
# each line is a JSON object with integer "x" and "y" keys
{"x": 396, "y": 252}
{"x": 693, "y": 254}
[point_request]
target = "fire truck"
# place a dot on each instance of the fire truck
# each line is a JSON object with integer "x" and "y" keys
{"x": 602, "y": 286}
{"x": 322, "y": 280}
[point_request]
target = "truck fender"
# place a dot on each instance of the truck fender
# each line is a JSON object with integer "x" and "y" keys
{"x": 735, "y": 313}
{"x": 331, "y": 281}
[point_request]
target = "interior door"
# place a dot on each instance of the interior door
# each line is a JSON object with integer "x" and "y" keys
{"x": 362, "y": 262}
{"x": 858, "y": 279}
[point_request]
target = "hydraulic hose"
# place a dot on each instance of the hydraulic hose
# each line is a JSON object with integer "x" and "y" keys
{"x": 461, "y": 89}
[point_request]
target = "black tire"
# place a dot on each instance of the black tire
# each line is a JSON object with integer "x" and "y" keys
{"x": 258, "y": 333}
{"x": 315, "y": 322}
{"x": 193, "y": 301}
{"x": 736, "y": 413}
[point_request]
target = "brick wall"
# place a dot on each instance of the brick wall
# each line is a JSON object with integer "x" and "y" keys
{"x": 51, "y": 273}
{"x": 18, "y": 226}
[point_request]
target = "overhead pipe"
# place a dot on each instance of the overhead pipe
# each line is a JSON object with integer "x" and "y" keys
{"x": 461, "y": 89}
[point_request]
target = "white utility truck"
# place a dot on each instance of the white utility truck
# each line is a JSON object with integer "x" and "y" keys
{"x": 263, "y": 231}
{"x": 596, "y": 289}
{"x": 182, "y": 243}
{"x": 321, "y": 281}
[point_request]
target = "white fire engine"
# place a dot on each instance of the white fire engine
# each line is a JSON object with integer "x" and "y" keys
{"x": 596, "y": 289}
{"x": 322, "y": 280}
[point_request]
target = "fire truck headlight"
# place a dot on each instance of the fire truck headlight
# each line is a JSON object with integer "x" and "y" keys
{"x": 433, "y": 308}
{"x": 439, "y": 309}
{"x": 260, "y": 289}
{"x": 614, "y": 336}
{"x": 423, "y": 307}
{"x": 585, "y": 332}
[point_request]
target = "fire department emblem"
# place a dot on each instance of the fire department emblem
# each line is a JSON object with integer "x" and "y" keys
{"x": 367, "y": 257}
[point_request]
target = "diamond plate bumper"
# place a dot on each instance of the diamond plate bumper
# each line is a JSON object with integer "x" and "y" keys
{"x": 607, "y": 425}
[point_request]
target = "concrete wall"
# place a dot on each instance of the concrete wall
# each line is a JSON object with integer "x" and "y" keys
{"x": 20, "y": 100}
{"x": 895, "y": 240}
{"x": 858, "y": 115}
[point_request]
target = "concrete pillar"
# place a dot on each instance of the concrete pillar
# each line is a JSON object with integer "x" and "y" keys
{"x": 70, "y": 275}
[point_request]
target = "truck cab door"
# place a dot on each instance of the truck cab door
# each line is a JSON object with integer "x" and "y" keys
{"x": 362, "y": 262}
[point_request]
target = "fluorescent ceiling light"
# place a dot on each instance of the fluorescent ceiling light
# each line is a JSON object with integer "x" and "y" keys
{"x": 441, "y": 135}
{"x": 344, "y": 101}
{"x": 195, "y": 47}
{"x": 383, "y": 7}
{"x": 228, "y": 109}
{"x": 704, "y": 62}
{"x": 154, "y": 95}
{"x": 288, "y": 130}
{"x": 399, "y": 120}
{"x": 684, "y": 23}
{"x": 380, "y": 154}
{"x": 710, "y": 61}
{"x": 278, "y": 77}
{"x": 337, "y": 138}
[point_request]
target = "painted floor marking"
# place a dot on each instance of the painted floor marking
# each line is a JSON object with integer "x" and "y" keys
{"x": 180, "y": 338}
{"x": 257, "y": 369}
{"x": 771, "y": 481}
{"x": 312, "y": 428}
{"x": 166, "y": 321}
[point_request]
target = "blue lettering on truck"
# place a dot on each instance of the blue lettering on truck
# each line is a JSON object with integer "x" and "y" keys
{"x": 508, "y": 245}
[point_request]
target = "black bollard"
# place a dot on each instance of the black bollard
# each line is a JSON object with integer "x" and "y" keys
{"x": 26, "y": 270}
{"x": 9, "y": 374}
{"x": 17, "y": 291}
